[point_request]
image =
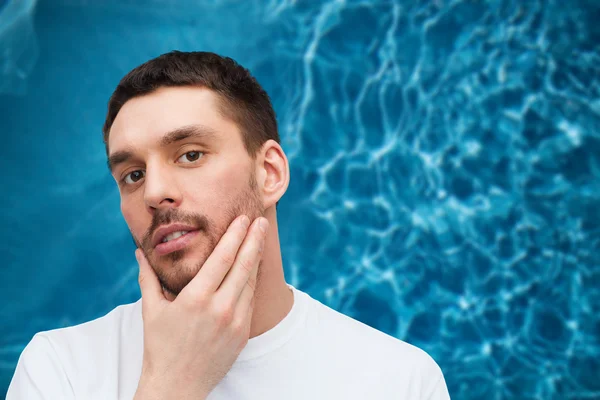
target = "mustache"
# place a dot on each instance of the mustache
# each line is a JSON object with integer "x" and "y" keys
{"x": 170, "y": 216}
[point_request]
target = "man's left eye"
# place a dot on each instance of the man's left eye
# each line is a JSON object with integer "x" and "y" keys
{"x": 190, "y": 156}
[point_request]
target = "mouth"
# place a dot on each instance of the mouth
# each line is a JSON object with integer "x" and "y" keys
{"x": 175, "y": 241}
{"x": 169, "y": 238}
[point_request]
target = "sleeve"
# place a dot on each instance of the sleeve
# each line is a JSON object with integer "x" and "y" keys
{"x": 39, "y": 374}
{"x": 439, "y": 390}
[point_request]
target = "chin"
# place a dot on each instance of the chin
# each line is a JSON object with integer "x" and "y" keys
{"x": 175, "y": 277}
{"x": 179, "y": 267}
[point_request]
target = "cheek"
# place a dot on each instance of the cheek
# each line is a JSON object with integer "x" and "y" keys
{"x": 214, "y": 199}
{"x": 133, "y": 217}
{"x": 204, "y": 192}
{"x": 126, "y": 210}
{"x": 205, "y": 200}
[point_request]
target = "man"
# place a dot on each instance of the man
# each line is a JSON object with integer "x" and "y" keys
{"x": 192, "y": 143}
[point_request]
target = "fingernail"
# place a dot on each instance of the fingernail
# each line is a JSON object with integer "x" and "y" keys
{"x": 262, "y": 224}
{"x": 244, "y": 222}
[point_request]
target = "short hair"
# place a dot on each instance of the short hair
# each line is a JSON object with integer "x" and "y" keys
{"x": 241, "y": 98}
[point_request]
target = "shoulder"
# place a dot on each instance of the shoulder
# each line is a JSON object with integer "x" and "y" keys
{"x": 74, "y": 345}
{"x": 122, "y": 318}
{"x": 52, "y": 360}
{"x": 393, "y": 358}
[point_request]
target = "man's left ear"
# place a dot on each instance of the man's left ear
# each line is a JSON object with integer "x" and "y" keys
{"x": 273, "y": 176}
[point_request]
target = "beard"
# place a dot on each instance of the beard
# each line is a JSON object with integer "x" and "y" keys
{"x": 173, "y": 271}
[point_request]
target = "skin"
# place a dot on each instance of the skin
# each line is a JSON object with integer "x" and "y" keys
{"x": 209, "y": 189}
{"x": 191, "y": 342}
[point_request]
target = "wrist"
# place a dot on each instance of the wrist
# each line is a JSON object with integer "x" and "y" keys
{"x": 158, "y": 388}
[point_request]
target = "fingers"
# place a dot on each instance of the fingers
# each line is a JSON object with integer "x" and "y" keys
{"x": 244, "y": 309}
{"x": 244, "y": 271}
{"x": 212, "y": 273}
{"x": 149, "y": 285}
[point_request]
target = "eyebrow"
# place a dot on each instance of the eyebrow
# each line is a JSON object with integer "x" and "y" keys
{"x": 199, "y": 132}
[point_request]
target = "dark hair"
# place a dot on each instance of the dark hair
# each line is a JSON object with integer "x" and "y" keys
{"x": 242, "y": 99}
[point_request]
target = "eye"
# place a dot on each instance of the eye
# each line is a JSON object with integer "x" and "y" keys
{"x": 190, "y": 156}
{"x": 133, "y": 177}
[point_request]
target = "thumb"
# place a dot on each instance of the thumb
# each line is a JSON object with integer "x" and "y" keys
{"x": 149, "y": 285}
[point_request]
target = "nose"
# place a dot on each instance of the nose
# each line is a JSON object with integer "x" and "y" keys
{"x": 160, "y": 189}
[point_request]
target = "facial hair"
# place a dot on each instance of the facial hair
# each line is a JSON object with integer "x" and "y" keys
{"x": 172, "y": 271}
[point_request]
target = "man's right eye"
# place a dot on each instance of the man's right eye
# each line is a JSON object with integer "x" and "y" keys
{"x": 133, "y": 177}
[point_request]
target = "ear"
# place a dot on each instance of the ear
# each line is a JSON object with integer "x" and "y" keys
{"x": 273, "y": 173}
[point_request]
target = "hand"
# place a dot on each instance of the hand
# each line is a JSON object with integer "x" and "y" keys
{"x": 192, "y": 342}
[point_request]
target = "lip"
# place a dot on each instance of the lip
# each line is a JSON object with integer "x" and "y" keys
{"x": 165, "y": 230}
{"x": 176, "y": 244}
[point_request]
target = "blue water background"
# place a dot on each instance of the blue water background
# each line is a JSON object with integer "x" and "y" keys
{"x": 445, "y": 165}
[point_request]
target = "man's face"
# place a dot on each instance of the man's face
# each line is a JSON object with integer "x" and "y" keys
{"x": 178, "y": 161}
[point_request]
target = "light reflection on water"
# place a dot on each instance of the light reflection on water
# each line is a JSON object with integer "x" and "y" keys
{"x": 444, "y": 170}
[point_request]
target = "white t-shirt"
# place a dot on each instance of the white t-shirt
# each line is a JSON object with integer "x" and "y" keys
{"x": 315, "y": 352}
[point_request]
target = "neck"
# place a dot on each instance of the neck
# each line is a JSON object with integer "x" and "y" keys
{"x": 273, "y": 298}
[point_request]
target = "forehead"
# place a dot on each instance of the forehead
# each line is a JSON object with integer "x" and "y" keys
{"x": 142, "y": 121}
